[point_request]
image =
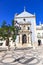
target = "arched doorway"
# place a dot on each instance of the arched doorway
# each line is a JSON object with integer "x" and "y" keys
{"x": 24, "y": 39}
{"x": 39, "y": 42}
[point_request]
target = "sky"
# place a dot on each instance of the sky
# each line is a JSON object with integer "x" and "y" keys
{"x": 8, "y": 8}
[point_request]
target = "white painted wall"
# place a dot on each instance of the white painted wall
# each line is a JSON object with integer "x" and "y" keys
{"x": 33, "y": 26}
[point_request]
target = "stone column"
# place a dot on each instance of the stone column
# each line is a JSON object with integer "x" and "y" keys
{"x": 31, "y": 38}
{"x": 27, "y": 38}
{"x": 20, "y": 38}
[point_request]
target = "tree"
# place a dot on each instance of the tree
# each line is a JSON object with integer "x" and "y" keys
{"x": 6, "y": 32}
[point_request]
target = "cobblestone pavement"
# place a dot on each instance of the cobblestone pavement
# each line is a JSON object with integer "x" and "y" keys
{"x": 22, "y": 57}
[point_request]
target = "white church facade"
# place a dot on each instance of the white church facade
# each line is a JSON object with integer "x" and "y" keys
{"x": 29, "y": 32}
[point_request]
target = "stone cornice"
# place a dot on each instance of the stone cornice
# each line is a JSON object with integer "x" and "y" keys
{"x": 21, "y": 32}
{"x": 24, "y": 23}
{"x": 25, "y": 17}
{"x": 39, "y": 29}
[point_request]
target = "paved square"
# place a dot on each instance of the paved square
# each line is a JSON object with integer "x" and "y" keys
{"x": 22, "y": 57}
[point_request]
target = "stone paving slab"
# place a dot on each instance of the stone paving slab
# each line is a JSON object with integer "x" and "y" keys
{"x": 8, "y": 60}
{"x": 7, "y": 56}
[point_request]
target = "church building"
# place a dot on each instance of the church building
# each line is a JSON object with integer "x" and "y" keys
{"x": 27, "y": 34}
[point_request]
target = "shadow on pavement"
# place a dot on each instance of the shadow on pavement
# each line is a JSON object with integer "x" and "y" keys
{"x": 18, "y": 59}
{"x": 29, "y": 61}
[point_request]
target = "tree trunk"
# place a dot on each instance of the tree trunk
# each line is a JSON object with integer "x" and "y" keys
{"x": 7, "y": 43}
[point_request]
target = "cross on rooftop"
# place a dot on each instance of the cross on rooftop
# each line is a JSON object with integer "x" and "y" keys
{"x": 24, "y": 8}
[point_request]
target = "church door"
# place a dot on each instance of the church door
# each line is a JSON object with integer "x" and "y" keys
{"x": 24, "y": 39}
{"x": 39, "y": 42}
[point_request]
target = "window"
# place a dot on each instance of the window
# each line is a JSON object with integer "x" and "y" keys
{"x": 24, "y": 27}
{"x": 38, "y": 33}
{"x": 28, "y": 28}
{"x": 24, "y": 19}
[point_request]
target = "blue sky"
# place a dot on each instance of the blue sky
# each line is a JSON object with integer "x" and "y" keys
{"x": 8, "y": 8}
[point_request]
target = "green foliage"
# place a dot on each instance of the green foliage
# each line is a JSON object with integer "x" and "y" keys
{"x": 6, "y": 30}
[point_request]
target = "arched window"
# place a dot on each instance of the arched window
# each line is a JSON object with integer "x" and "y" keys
{"x": 24, "y": 19}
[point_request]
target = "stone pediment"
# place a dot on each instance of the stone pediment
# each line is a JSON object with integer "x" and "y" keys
{"x": 25, "y": 14}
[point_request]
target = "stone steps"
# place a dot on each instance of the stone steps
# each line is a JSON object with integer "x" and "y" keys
{"x": 19, "y": 45}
